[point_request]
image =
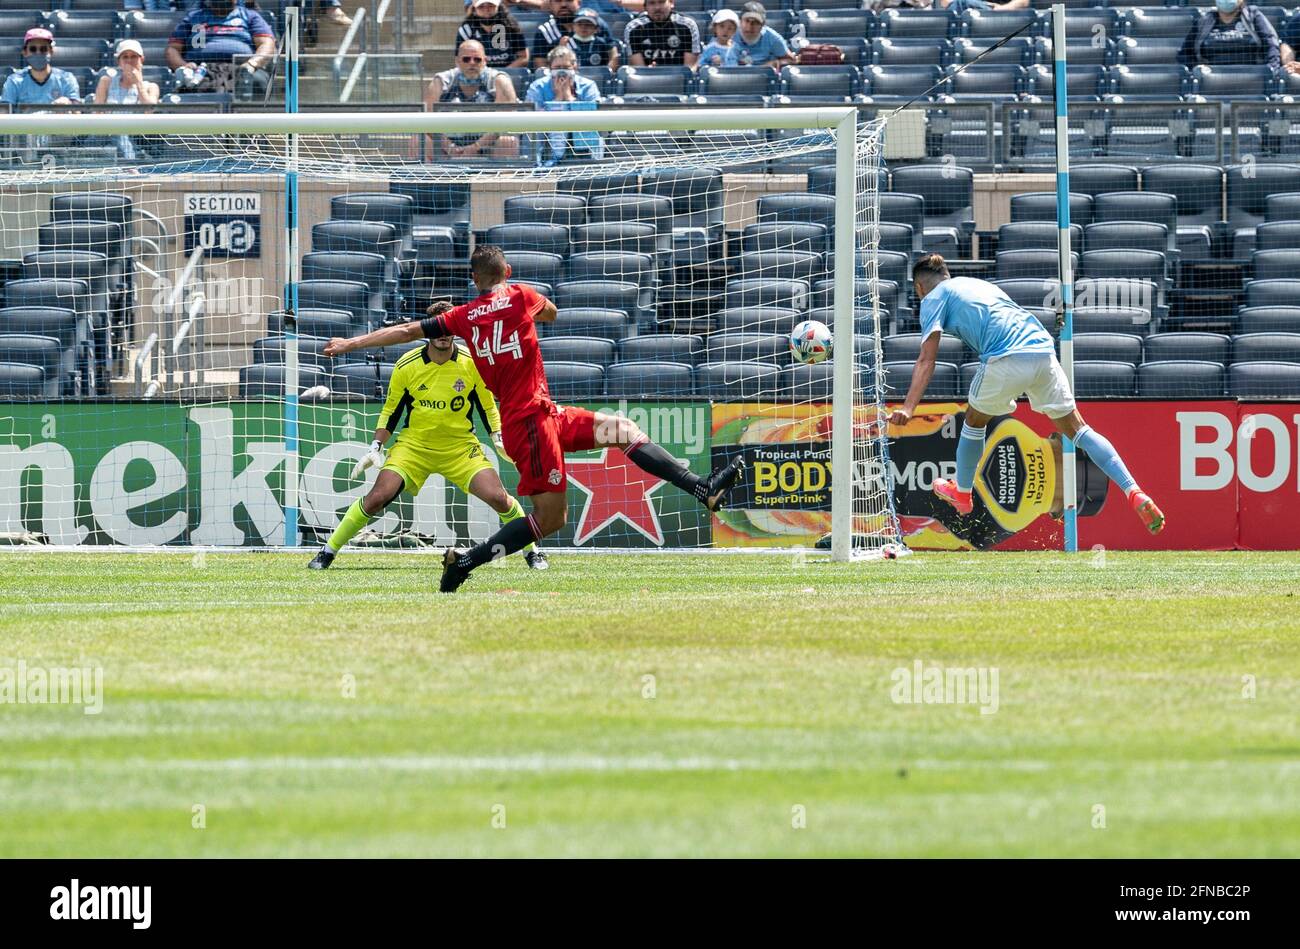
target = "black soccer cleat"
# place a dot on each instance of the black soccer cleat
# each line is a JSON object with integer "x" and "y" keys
{"x": 721, "y": 481}
{"x": 324, "y": 557}
{"x": 537, "y": 560}
{"x": 453, "y": 574}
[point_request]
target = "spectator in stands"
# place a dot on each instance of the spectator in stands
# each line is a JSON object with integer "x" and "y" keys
{"x": 472, "y": 80}
{"x": 953, "y": 6}
{"x": 489, "y": 23}
{"x": 558, "y": 29}
{"x": 661, "y": 37}
{"x": 600, "y": 6}
{"x": 758, "y": 44}
{"x": 560, "y": 87}
{"x": 1290, "y": 39}
{"x": 126, "y": 86}
{"x": 214, "y": 34}
{"x": 40, "y": 83}
{"x": 722, "y": 51}
{"x": 1232, "y": 34}
{"x": 590, "y": 45}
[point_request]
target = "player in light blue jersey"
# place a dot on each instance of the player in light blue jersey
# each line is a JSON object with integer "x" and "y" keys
{"x": 1017, "y": 357}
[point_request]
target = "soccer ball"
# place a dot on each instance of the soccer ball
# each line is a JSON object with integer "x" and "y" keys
{"x": 811, "y": 342}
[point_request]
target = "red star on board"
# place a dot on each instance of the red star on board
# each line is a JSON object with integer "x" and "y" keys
{"x": 616, "y": 489}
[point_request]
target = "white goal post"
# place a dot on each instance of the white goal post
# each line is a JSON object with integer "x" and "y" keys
{"x": 257, "y": 137}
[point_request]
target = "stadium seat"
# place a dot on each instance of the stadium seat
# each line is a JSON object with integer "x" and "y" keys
{"x": 350, "y": 295}
{"x": 1198, "y": 196}
{"x": 783, "y": 236}
{"x": 1158, "y": 22}
{"x": 1016, "y": 52}
{"x": 813, "y": 382}
{"x": 820, "y": 83}
{"x": 321, "y": 323}
{"x": 634, "y": 209}
{"x": 1149, "y": 206}
{"x": 362, "y": 380}
{"x": 993, "y": 25}
{"x": 1041, "y": 206}
{"x": 17, "y": 22}
{"x": 611, "y": 323}
{"x": 1126, "y": 235}
{"x": 948, "y": 194}
{"x": 575, "y": 380}
{"x": 535, "y": 266}
{"x": 822, "y": 25}
{"x": 779, "y": 265}
{"x": 1278, "y": 235}
{"x": 1095, "y": 179}
{"x": 797, "y": 208}
{"x": 943, "y": 384}
{"x": 736, "y": 381}
{"x": 931, "y": 24}
{"x": 1092, "y": 24}
{"x": 887, "y": 51}
{"x": 589, "y": 349}
{"x": 1159, "y": 51}
{"x": 1031, "y": 292}
{"x": 1100, "y": 379}
{"x": 1264, "y": 380}
{"x": 1016, "y": 264}
{"x": 1275, "y": 264}
{"x": 1180, "y": 379}
{"x": 151, "y": 25}
{"x": 1109, "y": 347}
{"x": 566, "y": 210}
{"x": 597, "y": 294}
{"x": 1206, "y": 347}
{"x": 748, "y": 347}
{"x": 58, "y": 323}
{"x": 370, "y": 269}
{"x": 1272, "y": 293}
{"x": 1266, "y": 347}
{"x": 1233, "y": 83}
{"x": 45, "y": 352}
{"x": 905, "y": 346}
{"x": 696, "y": 194}
{"x": 788, "y": 294}
{"x": 662, "y": 347}
{"x": 533, "y": 236}
{"x": 88, "y": 53}
{"x": 636, "y": 380}
{"x": 1123, "y": 264}
{"x": 20, "y": 381}
{"x": 738, "y": 81}
{"x": 602, "y": 76}
{"x": 389, "y": 208}
{"x": 1135, "y": 82}
{"x": 1282, "y": 207}
{"x": 1269, "y": 319}
{"x": 909, "y": 210}
{"x": 600, "y": 186}
{"x": 1248, "y": 189}
{"x": 616, "y": 237}
{"x": 1086, "y": 80}
{"x": 980, "y": 83}
{"x": 371, "y": 237}
{"x": 769, "y": 320}
{"x": 884, "y": 83}
{"x": 1036, "y": 235}
{"x": 1111, "y": 319}
{"x": 82, "y": 24}
{"x": 266, "y": 380}
{"x": 270, "y": 350}
{"x": 636, "y": 81}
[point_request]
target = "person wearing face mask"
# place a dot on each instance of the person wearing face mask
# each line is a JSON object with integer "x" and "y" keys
{"x": 560, "y": 87}
{"x": 472, "y": 80}
{"x": 488, "y": 22}
{"x": 230, "y": 40}
{"x": 1233, "y": 33}
{"x": 40, "y": 83}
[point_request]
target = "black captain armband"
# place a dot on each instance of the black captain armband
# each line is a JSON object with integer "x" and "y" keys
{"x": 433, "y": 326}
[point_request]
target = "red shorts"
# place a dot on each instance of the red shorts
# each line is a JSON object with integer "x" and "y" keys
{"x": 538, "y": 441}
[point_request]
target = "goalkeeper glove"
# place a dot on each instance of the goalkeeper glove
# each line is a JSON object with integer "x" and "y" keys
{"x": 501, "y": 447}
{"x": 373, "y": 457}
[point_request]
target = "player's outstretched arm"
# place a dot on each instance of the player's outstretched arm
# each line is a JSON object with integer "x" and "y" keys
{"x": 547, "y": 313}
{"x": 921, "y": 374}
{"x": 384, "y": 336}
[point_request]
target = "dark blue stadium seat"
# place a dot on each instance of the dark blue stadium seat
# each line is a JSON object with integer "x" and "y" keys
{"x": 324, "y": 324}
{"x": 827, "y": 25}
{"x": 1016, "y": 52}
{"x": 1108, "y": 347}
{"x": 609, "y": 322}
{"x": 933, "y": 24}
{"x": 822, "y": 83}
{"x": 886, "y": 51}
{"x": 1166, "y": 22}
{"x": 371, "y": 237}
{"x": 1282, "y": 207}
{"x": 980, "y": 83}
{"x": 1092, "y": 25}
{"x": 1036, "y": 235}
{"x": 1135, "y": 83}
{"x": 748, "y": 347}
{"x": 993, "y": 25}
{"x": 1180, "y": 379}
{"x": 776, "y": 235}
{"x": 1111, "y": 319}
{"x": 395, "y": 209}
{"x": 656, "y": 80}
{"x": 1264, "y": 380}
{"x": 270, "y": 350}
{"x": 563, "y": 209}
{"x": 1198, "y": 195}
{"x": 1206, "y": 347}
{"x": 589, "y": 349}
{"x": 736, "y": 381}
{"x": 615, "y": 237}
{"x": 1041, "y": 206}
{"x": 1126, "y": 235}
{"x": 1083, "y": 81}
{"x": 1032, "y": 292}
{"x": 1032, "y": 264}
{"x": 905, "y": 346}
{"x": 755, "y": 319}
{"x": 909, "y": 209}
{"x": 149, "y": 24}
{"x": 1269, "y": 319}
{"x": 1275, "y": 264}
{"x": 1153, "y": 207}
{"x": 1272, "y": 292}
{"x": 764, "y": 293}
{"x": 943, "y": 384}
{"x": 884, "y": 83}
{"x": 1102, "y": 379}
{"x": 570, "y": 381}
{"x": 361, "y": 381}
{"x": 533, "y": 237}
{"x": 82, "y": 24}
{"x": 1278, "y": 235}
{"x": 808, "y": 382}
{"x": 738, "y": 81}
{"x": 266, "y": 380}
{"x": 1266, "y": 347}
{"x": 1249, "y": 186}
{"x": 1233, "y": 83}
{"x": 662, "y": 347}
{"x": 1149, "y": 51}
{"x": 779, "y": 265}
{"x": 635, "y": 380}
{"x": 350, "y": 295}
{"x": 949, "y": 195}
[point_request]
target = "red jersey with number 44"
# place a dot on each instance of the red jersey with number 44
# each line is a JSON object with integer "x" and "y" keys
{"x": 502, "y": 338}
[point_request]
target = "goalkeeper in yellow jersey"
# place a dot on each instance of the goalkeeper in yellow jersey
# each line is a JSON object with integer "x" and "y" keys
{"x": 437, "y": 389}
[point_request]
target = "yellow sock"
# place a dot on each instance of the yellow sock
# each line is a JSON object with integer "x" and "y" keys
{"x": 349, "y": 527}
{"x": 516, "y": 511}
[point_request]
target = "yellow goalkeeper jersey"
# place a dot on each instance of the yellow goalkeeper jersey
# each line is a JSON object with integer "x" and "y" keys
{"x": 437, "y": 402}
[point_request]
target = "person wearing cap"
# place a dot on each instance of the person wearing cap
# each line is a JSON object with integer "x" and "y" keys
{"x": 488, "y": 22}
{"x": 721, "y": 50}
{"x": 216, "y": 33}
{"x": 557, "y": 30}
{"x": 40, "y": 83}
{"x": 662, "y": 37}
{"x": 591, "y": 46}
{"x": 472, "y": 80}
{"x": 758, "y": 44}
{"x": 126, "y": 85}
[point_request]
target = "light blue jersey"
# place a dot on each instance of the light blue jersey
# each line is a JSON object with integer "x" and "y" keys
{"x": 984, "y": 318}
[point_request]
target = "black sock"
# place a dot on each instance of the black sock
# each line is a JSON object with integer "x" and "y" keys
{"x": 650, "y": 457}
{"x": 510, "y": 539}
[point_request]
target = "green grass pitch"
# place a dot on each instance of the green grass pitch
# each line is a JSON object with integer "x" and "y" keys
{"x": 1147, "y": 706}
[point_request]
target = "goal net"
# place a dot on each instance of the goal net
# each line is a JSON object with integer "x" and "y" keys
{"x": 169, "y": 287}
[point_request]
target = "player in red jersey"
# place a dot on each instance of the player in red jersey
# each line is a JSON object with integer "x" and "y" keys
{"x": 500, "y": 328}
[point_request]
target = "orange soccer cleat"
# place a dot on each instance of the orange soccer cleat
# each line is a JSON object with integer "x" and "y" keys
{"x": 1152, "y": 518}
{"x": 954, "y": 495}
